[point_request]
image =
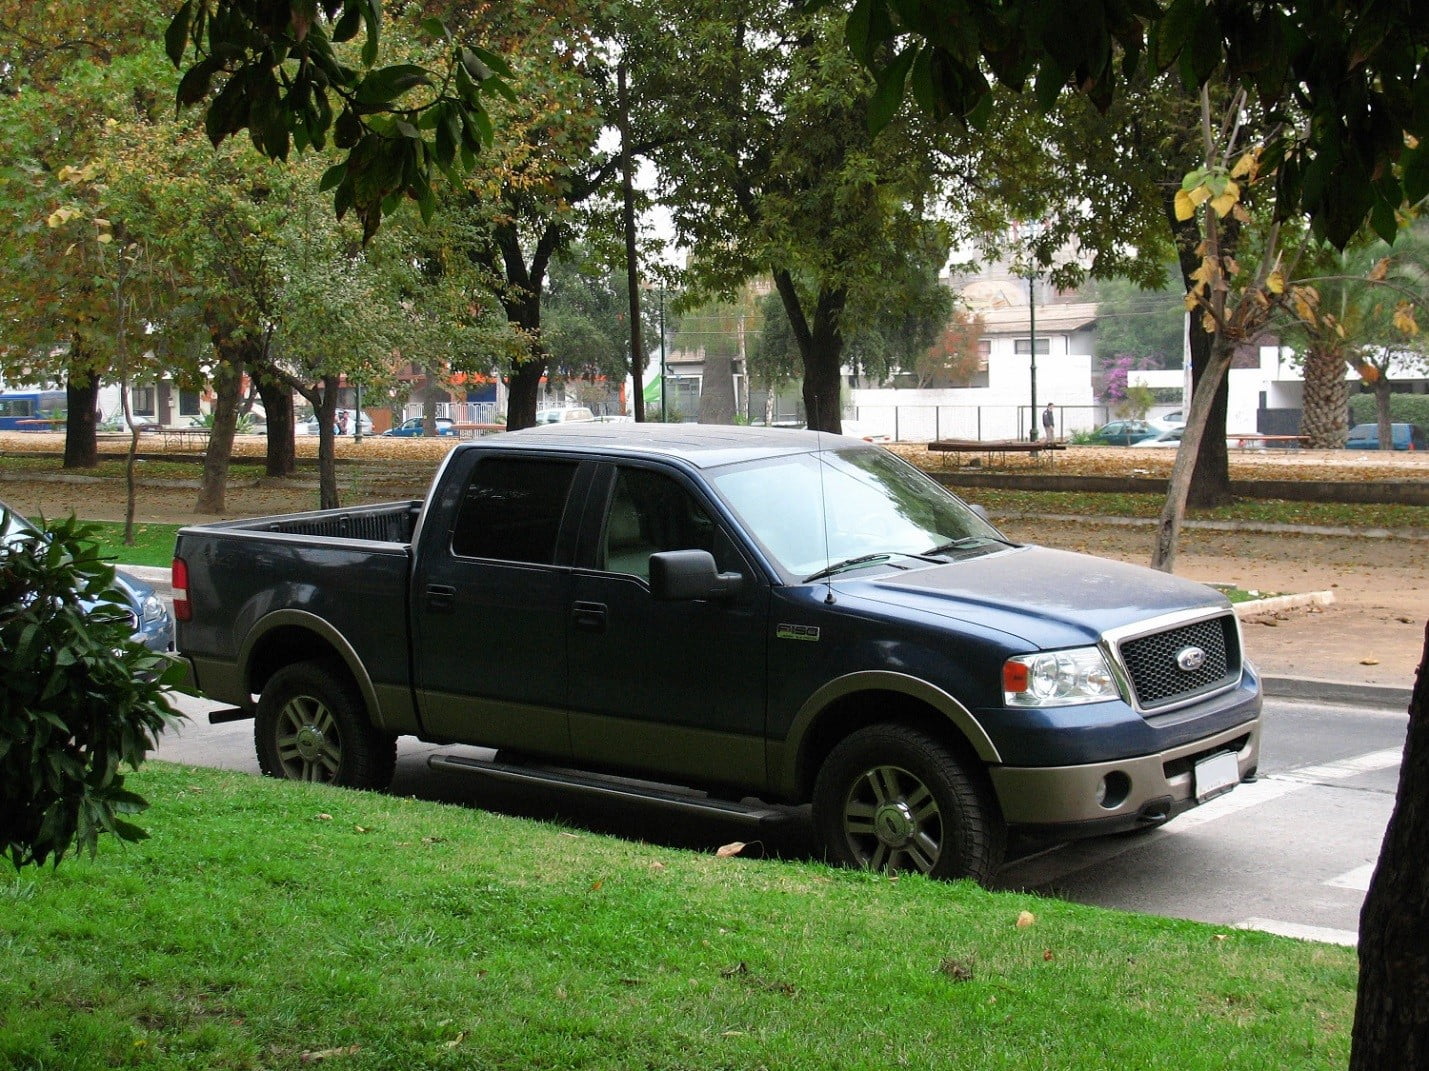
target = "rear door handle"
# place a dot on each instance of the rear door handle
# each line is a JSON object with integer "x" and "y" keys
{"x": 589, "y": 616}
{"x": 441, "y": 598}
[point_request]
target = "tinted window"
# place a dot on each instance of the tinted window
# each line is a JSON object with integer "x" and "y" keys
{"x": 650, "y": 512}
{"x": 512, "y": 509}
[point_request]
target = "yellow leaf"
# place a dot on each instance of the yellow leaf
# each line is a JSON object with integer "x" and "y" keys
{"x": 1190, "y": 300}
{"x": 727, "y": 850}
{"x": 1025, "y": 919}
{"x": 1185, "y": 207}
{"x": 105, "y": 238}
{"x": 1404, "y": 319}
{"x": 1380, "y": 270}
{"x": 1208, "y": 324}
{"x": 1226, "y": 201}
{"x": 1275, "y": 282}
{"x": 1248, "y": 164}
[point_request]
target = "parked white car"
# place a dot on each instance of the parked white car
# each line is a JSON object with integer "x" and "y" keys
{"x": 342, "y": 426}
{"x": 568, "y": 415}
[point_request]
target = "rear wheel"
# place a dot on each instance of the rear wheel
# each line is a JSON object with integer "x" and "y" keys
{"x": 312, "y": 725}
{"x": 891, "y": 798}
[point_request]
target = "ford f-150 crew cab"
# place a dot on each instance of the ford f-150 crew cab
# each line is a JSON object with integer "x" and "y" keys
{"x": 790, "y": 616}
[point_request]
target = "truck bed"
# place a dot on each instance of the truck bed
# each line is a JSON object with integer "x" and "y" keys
{"x": 384, "y": 522}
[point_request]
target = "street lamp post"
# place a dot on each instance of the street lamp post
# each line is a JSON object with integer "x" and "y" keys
{"x": 1032, "y": 346}
{"x": 664, "y": 411}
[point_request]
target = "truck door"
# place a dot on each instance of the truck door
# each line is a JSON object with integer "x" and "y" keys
{"x": 675, "y": 689}
{"x": 491, "y": 597}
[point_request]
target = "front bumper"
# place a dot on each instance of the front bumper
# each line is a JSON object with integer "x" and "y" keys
{"x": 1105, "y": 797}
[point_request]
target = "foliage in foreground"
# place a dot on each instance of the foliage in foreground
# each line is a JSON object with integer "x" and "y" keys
{"x": 270, "y": 924}
{"x": 80, "y": 698}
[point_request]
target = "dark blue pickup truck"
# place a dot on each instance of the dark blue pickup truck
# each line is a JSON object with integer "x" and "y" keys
{"x": 748, "y": 612}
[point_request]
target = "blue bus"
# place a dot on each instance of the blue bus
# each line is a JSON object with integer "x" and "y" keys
{"x": 31, "y": 410}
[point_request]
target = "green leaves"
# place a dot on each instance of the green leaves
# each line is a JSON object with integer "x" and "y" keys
{"x": 1344, "y": 81}
{"x": 281, "y": 79}
{"x": 81, "y": 699}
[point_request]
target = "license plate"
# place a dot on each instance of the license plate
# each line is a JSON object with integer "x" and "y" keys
{"x": 1216, "y": 775}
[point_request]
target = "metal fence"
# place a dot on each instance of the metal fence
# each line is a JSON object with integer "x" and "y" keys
{"x": 913, "y": 423}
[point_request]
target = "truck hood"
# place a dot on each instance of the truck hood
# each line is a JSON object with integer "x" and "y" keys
{"x": 1047, "y": 598}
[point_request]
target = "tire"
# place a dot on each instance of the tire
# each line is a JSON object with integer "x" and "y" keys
{"x": 890, "y": 798}
{"x": 312, "y": 725}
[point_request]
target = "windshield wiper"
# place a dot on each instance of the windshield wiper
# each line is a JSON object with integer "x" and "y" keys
{"x": 966, "y": 543}
{"x": 847, "y": 563}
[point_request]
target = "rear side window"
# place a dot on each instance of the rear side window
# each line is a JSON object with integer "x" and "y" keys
{"x": 512, "y": 509}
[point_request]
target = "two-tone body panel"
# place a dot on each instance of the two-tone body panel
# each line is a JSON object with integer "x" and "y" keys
{"x": 517, "y": 611}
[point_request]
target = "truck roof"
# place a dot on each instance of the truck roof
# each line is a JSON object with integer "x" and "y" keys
{"x": 701, "y": 445}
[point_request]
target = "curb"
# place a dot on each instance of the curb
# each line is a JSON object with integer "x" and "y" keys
{"x": 1274, "y": 603}
{"x": 1382, "y": 696}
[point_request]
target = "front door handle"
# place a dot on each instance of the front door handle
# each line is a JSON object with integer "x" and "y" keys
{"x": 589, "y": 616}
{"x": 441, "y": 598}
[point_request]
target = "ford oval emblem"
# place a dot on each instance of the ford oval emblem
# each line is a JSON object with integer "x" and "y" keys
{"x": 1190, "y": 659}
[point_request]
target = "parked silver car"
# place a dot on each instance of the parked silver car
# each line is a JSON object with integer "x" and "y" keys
{"x": 150, "y": 620}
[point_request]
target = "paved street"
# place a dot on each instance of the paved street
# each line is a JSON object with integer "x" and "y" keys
{"x": 1290, "y": 854}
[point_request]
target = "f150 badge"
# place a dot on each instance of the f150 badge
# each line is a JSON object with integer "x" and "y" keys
{"x": 798, "y": 632}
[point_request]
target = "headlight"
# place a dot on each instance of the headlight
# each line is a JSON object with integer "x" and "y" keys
{"x": 1058, "y": 679}
{"x": 152, "y": 609}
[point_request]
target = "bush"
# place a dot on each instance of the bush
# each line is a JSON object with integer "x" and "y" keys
{"x": 81, "y": 699}
{"x": 1403, "y": 409}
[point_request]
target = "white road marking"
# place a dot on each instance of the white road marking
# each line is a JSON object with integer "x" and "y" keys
{"x": 1272, "y": 786}
{"x": 1055, "y": 863}
{"x": 1356, "y": 879}
{"x": 1303, "y": 932}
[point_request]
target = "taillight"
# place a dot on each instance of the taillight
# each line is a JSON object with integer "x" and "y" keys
{"x": 180, "y": 581}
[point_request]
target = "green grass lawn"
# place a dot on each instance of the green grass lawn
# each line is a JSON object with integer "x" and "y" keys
{"x": 153, "y": 543}
{"x": 275, "y": 924}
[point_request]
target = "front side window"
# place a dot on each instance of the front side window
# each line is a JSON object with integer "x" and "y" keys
{"x": 651, "y": 512}
{"x": 813, "y": 511}
{"x": 512, "y": 509}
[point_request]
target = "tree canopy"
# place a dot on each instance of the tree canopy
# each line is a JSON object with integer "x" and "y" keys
{"x": 1341, "y": 80}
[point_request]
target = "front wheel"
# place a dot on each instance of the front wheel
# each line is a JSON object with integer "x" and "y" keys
{"x": 311, "y": 725}
{"x": 891, "y": 798}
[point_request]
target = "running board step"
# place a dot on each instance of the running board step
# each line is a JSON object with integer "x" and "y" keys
{"x": 611, "y": 788}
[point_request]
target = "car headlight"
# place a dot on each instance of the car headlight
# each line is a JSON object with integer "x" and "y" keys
{"x": 1058, "y": 679}
{"x": 152, "y": 609}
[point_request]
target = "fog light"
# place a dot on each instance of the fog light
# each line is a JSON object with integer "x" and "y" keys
{"x": 1113, "y": 790}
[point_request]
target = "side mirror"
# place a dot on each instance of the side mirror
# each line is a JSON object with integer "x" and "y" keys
{"x": 689, "y": 575}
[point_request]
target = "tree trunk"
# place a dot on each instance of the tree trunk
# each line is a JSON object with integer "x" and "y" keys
{"x": 523, "y": 389}
{"x": 1168, "y": 531}
{"x": 1325, "y": 414}
{"x": 1382, "y": 392}
{"x": 1391, "y": 1010}
{"x": 820, "y": 350}
{"x": 81, "y": 442}
{"x": 1210, "y": 481}
{"x": 282, "y": 454}
{"x": 326, "y": 413}
{"x": 227, "y": 381}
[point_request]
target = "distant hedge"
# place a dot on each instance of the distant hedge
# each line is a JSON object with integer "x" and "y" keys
{"x": 1403, "y": 409}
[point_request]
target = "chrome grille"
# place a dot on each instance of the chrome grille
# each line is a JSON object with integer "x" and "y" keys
{"x": 1154, "y": 662}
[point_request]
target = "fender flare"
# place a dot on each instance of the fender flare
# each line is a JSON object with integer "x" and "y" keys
{"x": 945, "y": 704}
{"x": 321, "y": 628}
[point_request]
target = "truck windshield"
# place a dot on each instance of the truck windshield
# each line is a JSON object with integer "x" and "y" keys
{"x": 816, "y": 514}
